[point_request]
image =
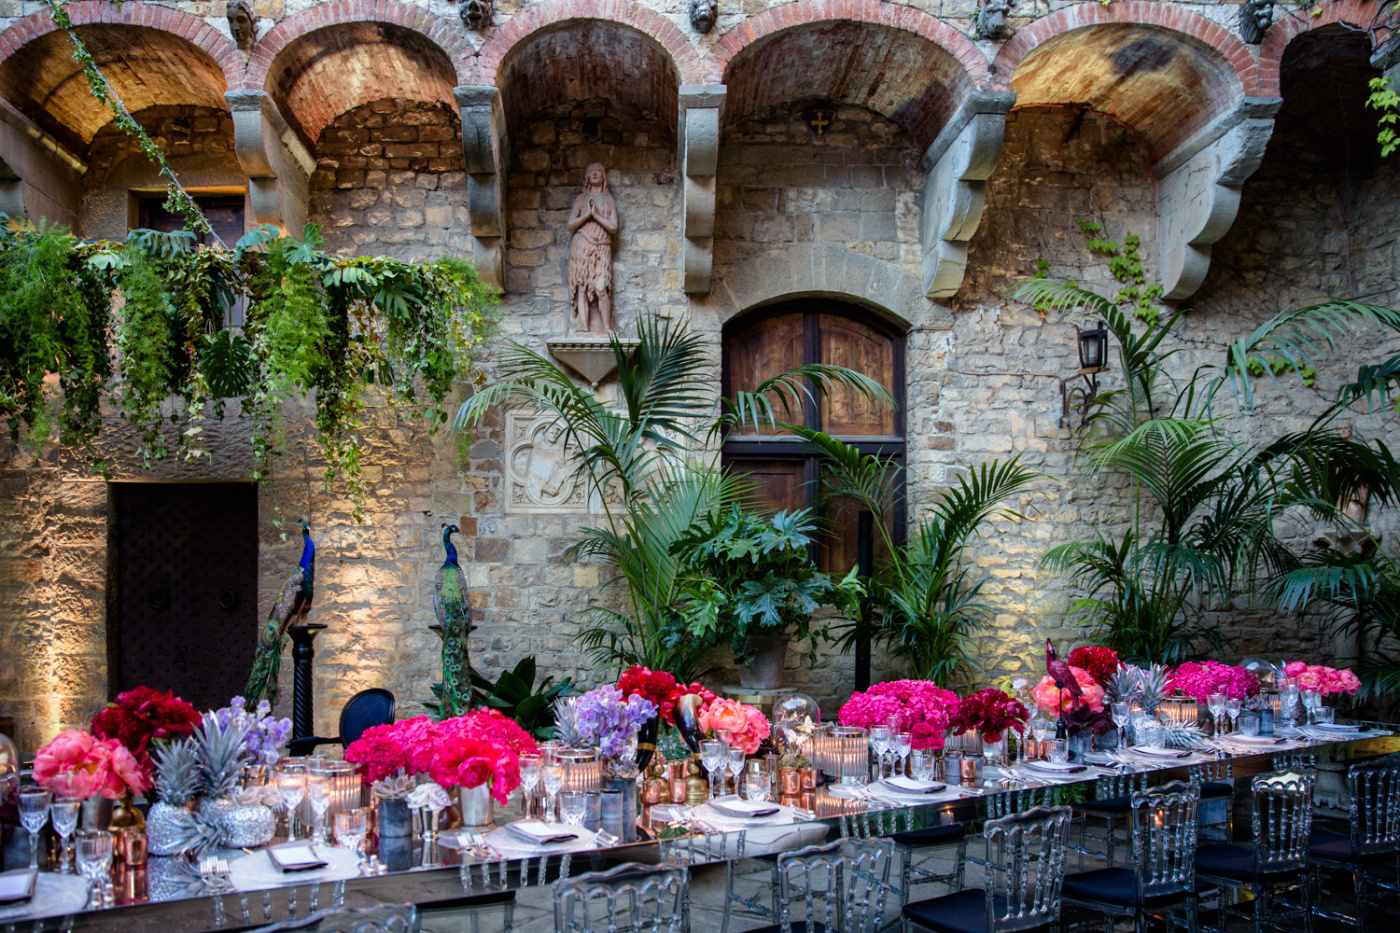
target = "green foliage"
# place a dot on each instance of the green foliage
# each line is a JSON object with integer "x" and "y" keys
{"x": 318, "y": 327}
{"x": 747, "y": 575}
{"x": 1384, "y": 99}
{"x": 514, "y": 694}
{"x": 1275, "y": 365}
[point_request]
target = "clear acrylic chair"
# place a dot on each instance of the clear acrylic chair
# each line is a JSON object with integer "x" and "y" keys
{"x": 1278, "y": 859}
{"x": 1216, "y": 780}
{"x": 1025, "y": 868}
{"x": 1111, "y": 804}
{"x": 1373, "y": 842}
{"x": 803, "y": 878}
{"x": 1163, "y": 828}
{"x": 383, "y": 918}
{"x": 632, "y": 896}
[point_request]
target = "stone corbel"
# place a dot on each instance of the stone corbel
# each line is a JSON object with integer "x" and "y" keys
{"x": 39, "y": 178}
{"x": 487, "y": 150}
{"x": 698, "y": 139}
{"x": 1198, "y": 194}
{"x": 955, "y": 191}
{"x": 277, "y": 164}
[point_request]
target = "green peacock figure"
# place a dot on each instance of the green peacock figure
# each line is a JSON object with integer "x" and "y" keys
{"x": 292, "y": 606}
{"x": 454, "y": 614}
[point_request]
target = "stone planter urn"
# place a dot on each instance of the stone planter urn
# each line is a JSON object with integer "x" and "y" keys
{"x": 765, "y": 671}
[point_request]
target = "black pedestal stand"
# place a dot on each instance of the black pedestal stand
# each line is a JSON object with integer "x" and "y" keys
{"x": 302, "y": 706}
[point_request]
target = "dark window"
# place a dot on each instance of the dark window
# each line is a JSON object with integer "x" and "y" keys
{"x": 183, "y": 592}
{"x": 225, "y": 215}
{"x": 762, "y": 345}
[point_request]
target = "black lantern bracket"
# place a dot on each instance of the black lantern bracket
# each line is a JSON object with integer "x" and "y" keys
{"x": 1093, "y": 354}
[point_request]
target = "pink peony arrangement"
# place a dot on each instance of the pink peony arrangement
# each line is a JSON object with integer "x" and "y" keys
{"x": 1199, "y": 679}
{"x": 924, "y": 710}
{"x": 77, "y": 765}
{"x": 1052, "y": 701}
{"x": 1324, "y": 680}
{"x": 479, "y": 747}
{"x": 746, "y": 726}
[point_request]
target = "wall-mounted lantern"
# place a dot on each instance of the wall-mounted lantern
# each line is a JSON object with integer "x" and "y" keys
{"x": 1093, "y": 359}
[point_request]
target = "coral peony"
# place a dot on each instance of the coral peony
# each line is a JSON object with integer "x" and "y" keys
{"x": 1051, "y": 700}
{"x": 78, "y": 765}
{"x": 747, "y": 727}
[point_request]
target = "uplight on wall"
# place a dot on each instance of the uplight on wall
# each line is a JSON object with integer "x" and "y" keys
{"x": 1093, "y": 359}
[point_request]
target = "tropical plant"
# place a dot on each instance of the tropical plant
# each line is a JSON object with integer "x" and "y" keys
{"x": 515, "y": 695}
{"x": 652, "y": 460}
{"x": 748, "y": 575}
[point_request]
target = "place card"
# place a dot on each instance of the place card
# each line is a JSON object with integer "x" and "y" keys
{"x": 908, "y": 785}
{"x": 295, "y": 856}
{"x": 539, "y": 832}
{"x": 743, "y": 809}
{"x": 18, "y": 885}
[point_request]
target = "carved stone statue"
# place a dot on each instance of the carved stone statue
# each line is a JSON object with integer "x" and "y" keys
{"x": 241, "y": 23}
{"x": 991, "y": 20}
{"x": 593, "y": 222}
{"x": 1256, "y": 16}
{"x": 703, "y": 14}
{"x": 477, "y": 14}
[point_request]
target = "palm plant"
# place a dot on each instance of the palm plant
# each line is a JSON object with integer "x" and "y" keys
{"x": 653, "y": 463}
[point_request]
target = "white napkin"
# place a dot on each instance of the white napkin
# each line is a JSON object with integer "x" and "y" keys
{"x": 743, "y": 809}
{"x": 1056, "y": 767}
{"x": 910, "y": 785}
{"x": 542, "y": 833}
{"x": 17, "y": 885}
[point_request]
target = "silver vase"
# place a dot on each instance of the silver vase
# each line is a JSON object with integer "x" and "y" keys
{"x": 476, "y": 807}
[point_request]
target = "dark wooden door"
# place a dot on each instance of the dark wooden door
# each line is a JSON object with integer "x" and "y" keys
{"x": 184, "y": 601}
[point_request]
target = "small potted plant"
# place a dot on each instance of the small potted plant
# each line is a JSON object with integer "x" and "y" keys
{"x": 750, "y": 581}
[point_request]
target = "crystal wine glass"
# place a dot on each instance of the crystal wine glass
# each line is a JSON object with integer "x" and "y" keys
{"x": 65, "y": 812}
{"x": 33, "y": 814}
{"x": 350, "y": 828}
{"x": 1216, "y": 702}
{"x": 880, "y": 743}
{"x": 292, "y": 786}
{"x": 903, "y": 745}
{"x": 318, "y": 791}
{"x": 1122, "y": 710}
{"x": 1312, "y": 702}
{"x": 553, "y": 777}
{"x": 735, "y": 760}
{"x": 530, "y": 766}
{"x": 94, "y": 847}
{"x": 1232, "y": 709}
{"x": 712, "y": 756}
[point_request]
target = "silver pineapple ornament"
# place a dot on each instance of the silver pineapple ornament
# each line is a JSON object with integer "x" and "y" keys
{"x": 176, "y": 783}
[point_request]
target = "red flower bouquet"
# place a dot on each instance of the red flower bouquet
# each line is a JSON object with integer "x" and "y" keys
{"x": 1101, "y": 663}
{"x": 141, "y": 716}
{"x": 77, "y": 765}
{"x": 991, "y": 712}
{"x": 657, "y": 686}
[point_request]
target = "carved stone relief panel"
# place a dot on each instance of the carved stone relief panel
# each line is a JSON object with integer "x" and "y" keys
{"x": 540, "y": 474}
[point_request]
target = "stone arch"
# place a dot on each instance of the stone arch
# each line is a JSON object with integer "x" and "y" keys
{"x": 1358, "y": 13}
{"x": 555, "y": 14}
{"x": 161, "y": 56}
{"x": 810, "y": 269}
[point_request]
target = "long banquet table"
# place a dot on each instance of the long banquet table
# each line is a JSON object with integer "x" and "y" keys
{"x": 452, "y": 874}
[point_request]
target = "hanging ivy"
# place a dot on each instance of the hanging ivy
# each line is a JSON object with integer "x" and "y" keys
{"x": 314, "y": 328}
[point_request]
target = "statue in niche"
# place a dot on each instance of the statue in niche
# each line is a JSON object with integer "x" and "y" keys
{"x": 1256, "y": 16}
{"x": 703, "y": 14}
{"x": 991, "y": 20}
{"x": 593, "y": 222}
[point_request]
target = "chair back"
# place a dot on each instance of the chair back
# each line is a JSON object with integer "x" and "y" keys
{"x": 1017, "y": 801}
{"x": 815, "y": 873}
{"x": 1222, "y": 769}
{"x": 1026, "y": 866}
{"x": 1165, "y": 832}
{"x": 867, "y": 871}
{"x": 876, "y": 822}
{"x": 1120, "y": 785}
{"x": 641, "y": 898}
{"x": 1283, "y": 807}
{"x": 383, "y": 918}
{"x": 365, "y": 710}
{"x": 1375, "y": 806}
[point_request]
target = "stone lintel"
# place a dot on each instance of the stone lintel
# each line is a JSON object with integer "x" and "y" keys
{"x": 698, "y": 126}
{"x": 41, "y": 178}
{"x": 278, "y": 166}
{"x": 958, "y": 165}
{"x": 1198, "y": 193}
{"x": 486, "y": 151}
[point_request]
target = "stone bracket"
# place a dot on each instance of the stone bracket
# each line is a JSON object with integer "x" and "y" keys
{"x": 955, "y": 193}
{"x": 698, "y": 141}
{"x": 278, "y": 166}
{"x": 39, "y": 178}
{"x": 486, "y": 147}
{"x": 1198, "y": 194}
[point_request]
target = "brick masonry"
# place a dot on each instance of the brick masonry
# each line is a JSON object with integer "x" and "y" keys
{"x": 796, "y": 214}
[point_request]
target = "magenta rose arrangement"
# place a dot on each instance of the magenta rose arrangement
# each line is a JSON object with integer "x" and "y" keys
{"x": 924, "y": 710}
{"x": 1322, "y": 679}
{"x": 1199, "y": 679}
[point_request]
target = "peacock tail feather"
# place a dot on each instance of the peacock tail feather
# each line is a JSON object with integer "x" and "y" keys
{"x": 452, "y": 606}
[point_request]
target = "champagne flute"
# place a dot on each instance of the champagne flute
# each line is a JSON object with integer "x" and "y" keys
{"x": 65, "y": 812}
{"x": 33, "y": 814}
{"x": 736, "y": 759}
{"x": 903, "y": 745}
{"x": 553, "y": 775}
{"x": 1288, "y": 702}
{"x": 318, "y": 791}
{"x": 880, "y": 743}
{"x": 1232, "y": 709}
{"x": 1216, "y": 703}
{"x": 712, "y": 757}
{"x": 291, "y": 785}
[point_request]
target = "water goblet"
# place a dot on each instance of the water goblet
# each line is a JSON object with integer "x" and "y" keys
{"x": 553, "y": 777}
{"x": 1232, "y": 710}
{"x": 735, "y": 759}
{"x": 33, "y": 814}
{"x": 530, "y": 766}
{"x": 713, "y": 758}
{"x": 573, "y": 807}
{"x": 64, "y": 812}
{"x": 94, "y": 848}
{"x": 318, "y": 791}
{"x": 880, "y": 744}
{"x": 759, "y": 785}
{"x": 1312, "y": 702}
{"x": 291, "y": 785}
{"x": 350, "y": 828}
{"x": 903, "y": 745}
{"x": 1122, "y": 712}
{"x": 1216, "y": 703}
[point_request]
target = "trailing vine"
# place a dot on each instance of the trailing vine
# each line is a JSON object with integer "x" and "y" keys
{"x": 315, "y": 328}
{"x": 1384, "y": 99}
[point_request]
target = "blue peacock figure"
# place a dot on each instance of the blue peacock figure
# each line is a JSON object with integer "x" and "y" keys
{"x": 454, "y": 614}
{"x": 292, "y": 606}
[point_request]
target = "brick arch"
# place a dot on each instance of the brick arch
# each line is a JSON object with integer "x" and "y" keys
{"x": 178, "y": 23}
{"x": 1350, "y": 12}
{"x": 447, "y": 36}
{"x": 872, "y": 12}
{"x": 1138, "y": 12}
{"x": 553, "y": 14}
